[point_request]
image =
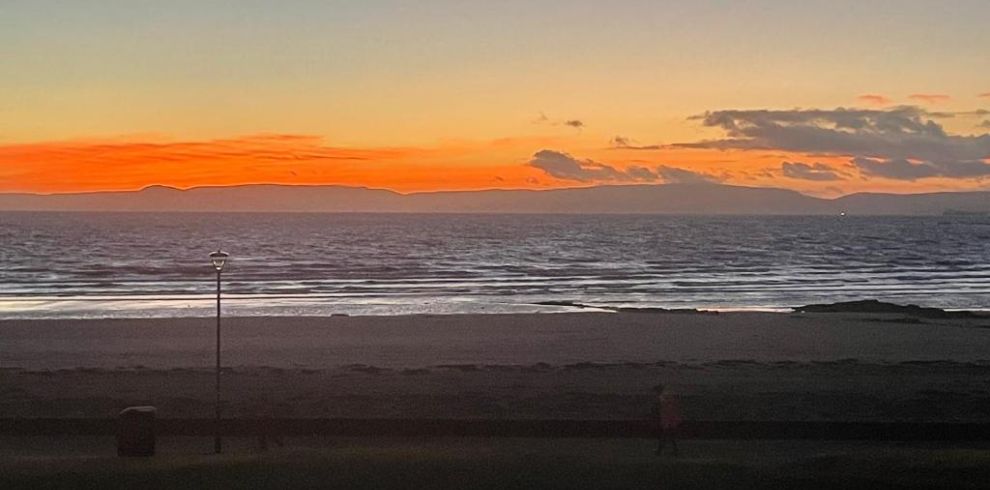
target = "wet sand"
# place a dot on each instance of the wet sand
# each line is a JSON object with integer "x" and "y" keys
{"x": 728, "y": 366}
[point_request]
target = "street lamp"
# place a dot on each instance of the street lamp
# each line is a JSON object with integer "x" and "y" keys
{"x": 218, "y": 259}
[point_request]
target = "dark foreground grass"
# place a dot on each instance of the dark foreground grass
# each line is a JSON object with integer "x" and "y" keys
{"x": 515, "y": 463}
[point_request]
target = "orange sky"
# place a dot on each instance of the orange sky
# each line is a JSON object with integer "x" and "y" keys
{"x": 449, "y": 94}
{"x": 129, "y": 163}
{"x": 134, "y": 163}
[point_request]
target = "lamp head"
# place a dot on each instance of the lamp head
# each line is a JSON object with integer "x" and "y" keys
{"x": 218, "y": 259}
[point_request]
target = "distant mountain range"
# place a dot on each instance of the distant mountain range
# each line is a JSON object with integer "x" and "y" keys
{"x": 645, "y": 199}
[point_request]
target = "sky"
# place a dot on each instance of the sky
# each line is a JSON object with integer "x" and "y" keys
{"x": 827, "y": 98}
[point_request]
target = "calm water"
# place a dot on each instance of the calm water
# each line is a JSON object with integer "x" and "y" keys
{"x": 140, "y": 265}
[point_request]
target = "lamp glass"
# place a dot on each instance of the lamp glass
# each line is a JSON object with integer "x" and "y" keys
{"x": 219, "y": 259}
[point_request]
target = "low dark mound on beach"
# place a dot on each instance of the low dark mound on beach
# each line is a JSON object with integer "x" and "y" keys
{"x": 875, "y": 306}
{"x": 622, "y": 309}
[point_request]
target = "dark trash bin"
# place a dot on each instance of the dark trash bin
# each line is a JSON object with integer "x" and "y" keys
{"x": 136, "y": 432}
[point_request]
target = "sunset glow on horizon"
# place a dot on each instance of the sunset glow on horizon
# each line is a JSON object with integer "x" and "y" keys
{"x": 825, "y": 100}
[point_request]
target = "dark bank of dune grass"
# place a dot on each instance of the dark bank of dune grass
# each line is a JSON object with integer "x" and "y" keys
{"x": 521, "y": 463}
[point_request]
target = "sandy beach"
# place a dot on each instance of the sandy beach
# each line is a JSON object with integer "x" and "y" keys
{"x": 726, "y": 366}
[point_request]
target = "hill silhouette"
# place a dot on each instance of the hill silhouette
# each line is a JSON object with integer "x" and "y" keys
{"x": 646, "y": 199}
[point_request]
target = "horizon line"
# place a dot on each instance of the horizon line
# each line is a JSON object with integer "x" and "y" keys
{"x": 469, "y": 191}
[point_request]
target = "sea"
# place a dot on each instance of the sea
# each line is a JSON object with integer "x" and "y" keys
{"x": 139, "y": 265}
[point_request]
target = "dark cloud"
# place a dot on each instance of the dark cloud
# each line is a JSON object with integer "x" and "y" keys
{"x": 984, "y": 94}
{"x": 641, "y": 174}
{"x": 809, "y": 171}
{"x": 674, "y": 175}
{"x": 623, "y": 143}
{"x": 985, "y": 124}
{"x": 573, "y": 123}
{"x": 901, "y": 133}
{"x": 564, "y": 166}
{"x": 904, "y": 169}
{"x": 930, "y": 98}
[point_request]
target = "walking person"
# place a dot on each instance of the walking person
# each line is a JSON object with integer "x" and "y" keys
{"x": 666, "y": 418}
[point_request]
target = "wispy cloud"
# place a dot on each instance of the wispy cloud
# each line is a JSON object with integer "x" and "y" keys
{"x": 623, "y": 143}
{"x": 930, "y": 98}
{"x": 542, "y": 118}
{"x": 252, "y": 148}
{"x": 875, "y": 99}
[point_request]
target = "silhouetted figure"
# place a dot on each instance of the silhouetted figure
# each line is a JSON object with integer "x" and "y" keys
{"x": 666, "y": 418}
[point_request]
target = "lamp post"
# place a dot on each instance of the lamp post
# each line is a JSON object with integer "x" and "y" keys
{"x": 218, "y": 259}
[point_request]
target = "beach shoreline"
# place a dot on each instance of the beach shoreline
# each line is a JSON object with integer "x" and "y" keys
{"x": 133, "y": 307}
